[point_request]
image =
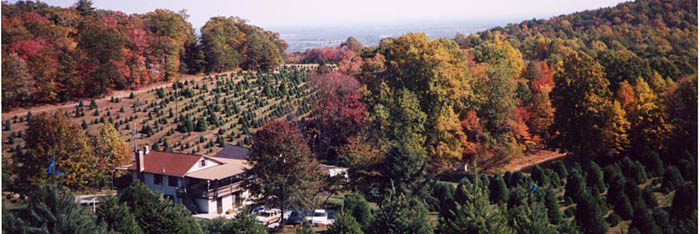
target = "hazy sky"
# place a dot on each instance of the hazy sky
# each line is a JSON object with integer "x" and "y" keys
{"x": 277, "y": 13}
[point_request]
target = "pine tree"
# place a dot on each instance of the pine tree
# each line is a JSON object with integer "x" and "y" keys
{"x": 116, "y": 217}
{"x": 643, "y": 220}
{"x": 345, "y": 224}
{"x": 685, "y": 202}
{"x": 399, "y": 214}
{"x": 473, "y": 213}
{"x": 498, "y": 192}
{"x": 539, "y": 176}
{"x": 672, "y": 179}
{"x": 93, "y": 104}
{"x": 552, "y": 205}
{"x": 52, "y": 209}
{"x": 588, "y": 215}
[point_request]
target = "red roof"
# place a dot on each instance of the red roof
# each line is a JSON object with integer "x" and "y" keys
{"x": 165, "y": 163}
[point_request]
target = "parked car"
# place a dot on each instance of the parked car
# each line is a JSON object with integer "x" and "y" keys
{"x": 318, "y": 218}
{"x": 295, "y": 218}
{"x": 256, "y": 210}
{"x": 268, "y": 216}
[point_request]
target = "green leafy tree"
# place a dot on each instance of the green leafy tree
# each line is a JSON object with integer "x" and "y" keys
{"x": 283, "y": 171}
{"x": 55, "y": 136}
{"x": 584, "y": 111}
{"x": 356, "y": 205}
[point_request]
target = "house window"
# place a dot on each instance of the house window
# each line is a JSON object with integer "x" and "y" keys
{"x": 203, "y": 163}
{"x": 157, "y": 179}
{"x": 172, "y": 181}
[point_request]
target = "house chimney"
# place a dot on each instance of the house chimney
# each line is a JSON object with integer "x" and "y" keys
{"x": 139, "y": 160}
{"x": 146, "y": 148}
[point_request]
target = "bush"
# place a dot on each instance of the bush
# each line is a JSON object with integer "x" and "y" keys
{"x": 672, "y": 179}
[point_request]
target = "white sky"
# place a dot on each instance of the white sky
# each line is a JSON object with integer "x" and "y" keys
{"x": 278, "y": 13}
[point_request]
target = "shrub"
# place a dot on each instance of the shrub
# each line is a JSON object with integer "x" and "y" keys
{"x": 672, "y": 179}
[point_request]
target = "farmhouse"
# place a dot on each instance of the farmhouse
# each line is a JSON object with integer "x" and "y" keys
{"x": 205, "y": 185}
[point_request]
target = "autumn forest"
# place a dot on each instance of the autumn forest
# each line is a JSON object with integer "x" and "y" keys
{"x": 424, "y": 126}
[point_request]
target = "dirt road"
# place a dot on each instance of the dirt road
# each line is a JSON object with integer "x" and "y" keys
{"x": 526, "y": 162}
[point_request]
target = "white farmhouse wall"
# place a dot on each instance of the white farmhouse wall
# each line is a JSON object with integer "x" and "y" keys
{"x": 198, "y": 166}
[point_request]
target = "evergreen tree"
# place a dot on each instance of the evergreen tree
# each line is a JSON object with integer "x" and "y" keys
{"x": 595, "y": 176}
{"x": 644, "y": 221}
{"x": 539, "y": 176}
{"x": 552, "y": 205}
{"x": 242, "y": 223}
{"x": 588, "y": 215}
{"x": 156, "y": 214}
{"x": 655, "y": 167}
{"x": 93, "y": 104}
{"x": 52, "y": 209}
{"x": 116, "y": 217}
{"x": 498, "y": 192}
{"x": 202, "y": 125}
{"x": 685, "y": 202}
{"x": 662, "y": 220}
{"x": 345, "y": 223}
{"x": 672, "y": 179}
{"x": 131, "y": 95}
{"x": 473, "y": 213}
{"x": 399, "y": 214}
{"x": 356, "y": 205}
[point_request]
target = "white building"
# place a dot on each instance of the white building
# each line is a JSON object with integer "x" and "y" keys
{"x": 205, "y": 185}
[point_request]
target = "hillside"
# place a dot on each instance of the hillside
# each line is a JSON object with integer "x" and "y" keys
{"x": 241, "y": 102}
{"x": 53, "y": 55}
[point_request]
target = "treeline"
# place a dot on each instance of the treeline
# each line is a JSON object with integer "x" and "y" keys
{"x": 53, "y": 54}
{"x": 492, "y": 99}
